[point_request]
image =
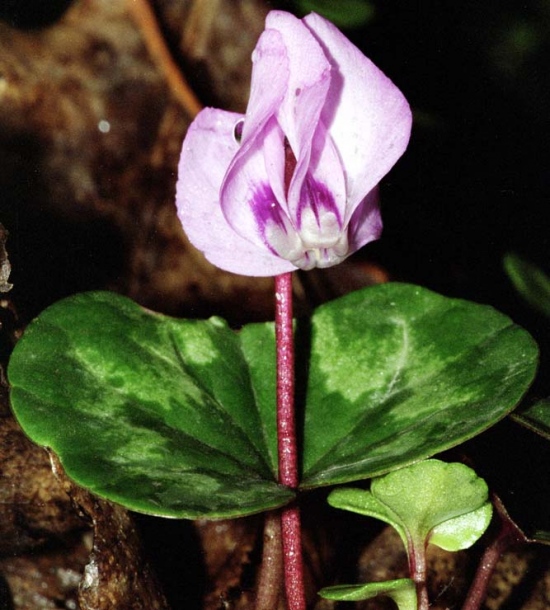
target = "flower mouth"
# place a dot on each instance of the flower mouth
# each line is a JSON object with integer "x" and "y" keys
{"x": 317, "y": 237}
{"x": 323, "y": 257}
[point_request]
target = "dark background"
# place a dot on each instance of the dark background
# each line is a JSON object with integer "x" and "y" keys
{"x": 473, "y": 185}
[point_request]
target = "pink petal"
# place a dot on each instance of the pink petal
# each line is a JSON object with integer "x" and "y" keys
{"x": 207, "y": 151}
{"x": 308, "y": 84}
{"x": 325, "y": 167}
{"x": 246, "y": 182}
{"x": 268, "y": 85}
{"x": 286, "y": 61}
{"x": 246, "y": 170}
{"x": 366, "y": 222}
{"x": 367, "y": 116}
{"x": 308, "y": 77}
{"x": 274, "y": 159}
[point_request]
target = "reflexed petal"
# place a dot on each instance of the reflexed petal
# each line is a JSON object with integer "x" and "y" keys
{"x": 247, "y": 169}
{"x": 366, "y": 223}
{"x": 255, "y": 211}
{"x": 268, "y": 85}
{"x": 308, "y": 80}
{"x": 207, "y": 151}
{"x": 367, "y": 116}
{"x": 308, "y": 84}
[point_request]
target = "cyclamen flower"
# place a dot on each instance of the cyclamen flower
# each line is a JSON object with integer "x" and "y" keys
{"x": 292, "y": 184}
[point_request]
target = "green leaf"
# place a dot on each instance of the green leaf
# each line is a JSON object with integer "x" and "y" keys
{"x": 462, "y": 531}
{"x": 402, "y": 591}
{"x": 530, "y": 281}
{"x": 177, "y": 417}
{"x": 366, "y": 503}
{"x": 536, "y": 417}
{"x": 398, "y": 373}
{"x": 258, "y": 346}
{"x": 344, "y": 13}
{"x": 432, "y": 501}
{"x": 154, "y": 413}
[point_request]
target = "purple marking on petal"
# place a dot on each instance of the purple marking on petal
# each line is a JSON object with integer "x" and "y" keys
{"x": 266, "y": 208}
{"x": 274, "y": 226}
{"x": 320, "y": 241}
{"x": 316, "y": 197}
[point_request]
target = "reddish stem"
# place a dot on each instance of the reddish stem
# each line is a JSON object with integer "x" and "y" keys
{"x": 417, "y": 569}
{"x": 286, "y": 436}
{"x": 478, "y": 589}
{"x": 507, "y": 535}
{"x": 286, "y": 427}
{"x": 292, "y": 558}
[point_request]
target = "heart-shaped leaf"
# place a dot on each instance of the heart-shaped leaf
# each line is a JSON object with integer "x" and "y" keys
{"x": 398, "y": 373}
{"x": 177, "y": 417}
{"x": 155, "y": 413}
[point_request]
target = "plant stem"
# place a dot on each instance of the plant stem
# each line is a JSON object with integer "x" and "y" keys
{"x": 292, "y": 558}
{"x": 286, "y": 437}
{"x": 417, "y": 569}
{"x": 269, "y": 587}
{"x": 423, "y": 602}
{"x": 478, "y": 589}
{"x": 507, "y": 535}
{"x": 286, "y": 426}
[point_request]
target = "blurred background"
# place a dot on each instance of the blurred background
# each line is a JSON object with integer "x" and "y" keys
{"x": 92, "y": 117}
{"x": 473, "y": 185}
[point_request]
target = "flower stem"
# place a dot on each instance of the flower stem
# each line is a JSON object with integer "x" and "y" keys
{"x": 287, "y": 447}
{"x": 286, "y": 426}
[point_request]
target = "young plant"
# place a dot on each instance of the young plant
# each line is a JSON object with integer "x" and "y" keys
{"x": 427, "y": 503}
